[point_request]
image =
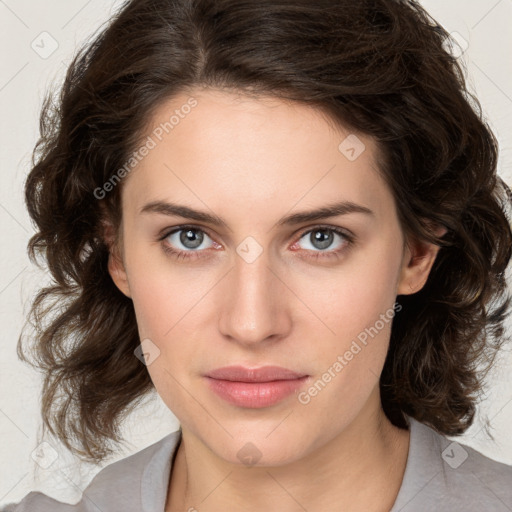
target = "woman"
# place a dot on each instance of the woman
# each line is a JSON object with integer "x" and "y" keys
{"x": 285, "y": 218}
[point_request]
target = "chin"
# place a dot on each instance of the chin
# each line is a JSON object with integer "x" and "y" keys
{"x": 256, "y": 451}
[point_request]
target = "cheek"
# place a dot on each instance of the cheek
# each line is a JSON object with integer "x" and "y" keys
{"x": 154, "y": 306}
{"x": 168, "y": 316}
{"x": 353, "y": 297}
{"x": 165, "y": 315}
{"x": 349, "y": 359}
{"x": 169, "y": 306}
{"x": 162, "y": 294}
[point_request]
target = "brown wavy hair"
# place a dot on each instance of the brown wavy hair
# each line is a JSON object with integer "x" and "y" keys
{"x": 379, "y": 67}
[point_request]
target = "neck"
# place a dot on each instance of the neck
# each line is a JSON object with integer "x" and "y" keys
{"x": 360, "y": 469}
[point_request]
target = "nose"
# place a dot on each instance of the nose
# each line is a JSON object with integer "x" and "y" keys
{"x": 254, "y": 303}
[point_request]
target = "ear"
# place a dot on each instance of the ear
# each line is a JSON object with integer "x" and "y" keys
{"x": 418, "y": 259}
{"x": 118, "y": 272}
{"x": 116, "y": 267}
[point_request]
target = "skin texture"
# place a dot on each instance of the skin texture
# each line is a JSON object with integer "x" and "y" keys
{"x": 251, "y": 162}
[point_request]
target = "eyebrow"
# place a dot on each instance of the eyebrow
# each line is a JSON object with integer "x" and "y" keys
{"x": 332, "y": 210}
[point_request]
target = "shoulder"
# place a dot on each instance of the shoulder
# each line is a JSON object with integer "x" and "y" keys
{"x": 118, "y": 486}
{"x": 485, "y": 483}
{"x": 449, "y": 475}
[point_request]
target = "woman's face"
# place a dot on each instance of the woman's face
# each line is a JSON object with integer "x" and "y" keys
{"x": 265, "y": 285}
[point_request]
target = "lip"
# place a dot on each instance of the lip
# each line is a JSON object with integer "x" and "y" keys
{"x": 261, "y": 374}
{"x": 254, "y": 387}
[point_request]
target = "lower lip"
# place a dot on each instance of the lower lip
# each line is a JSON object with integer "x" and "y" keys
{"x": 255, "y": 394}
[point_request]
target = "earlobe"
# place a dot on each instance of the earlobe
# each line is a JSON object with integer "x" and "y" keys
{"x": 115, "y": 262}
{"x": 118, "y": 273}
{"x": 417, "y": 263}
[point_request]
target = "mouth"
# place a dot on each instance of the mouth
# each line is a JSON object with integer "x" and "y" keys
{"x": 255, "y": 387}
{"x": 261, "y": 374}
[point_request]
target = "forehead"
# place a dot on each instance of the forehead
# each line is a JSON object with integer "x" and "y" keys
{"x": 263, "y": 154}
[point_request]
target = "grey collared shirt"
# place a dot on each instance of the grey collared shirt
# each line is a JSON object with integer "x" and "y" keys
{"x": 440, "y": 475}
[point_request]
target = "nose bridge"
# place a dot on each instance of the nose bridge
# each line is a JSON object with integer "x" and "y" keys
{"x": 253, "y": 307}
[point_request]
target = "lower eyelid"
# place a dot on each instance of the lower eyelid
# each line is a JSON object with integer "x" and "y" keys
{"x": 183, "y": 253}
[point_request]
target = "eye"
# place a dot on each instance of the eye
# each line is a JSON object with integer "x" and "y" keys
{"x": 192, "y": 242}
{"x": 186, "y": 241}
{"x": 321, "y": 238}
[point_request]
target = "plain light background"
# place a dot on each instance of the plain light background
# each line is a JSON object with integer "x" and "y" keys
{"x": 29, "y": 32}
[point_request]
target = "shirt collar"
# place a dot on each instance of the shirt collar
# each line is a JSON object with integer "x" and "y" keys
{"x": 423, "y": 463}
{"x": 155, "y": 478}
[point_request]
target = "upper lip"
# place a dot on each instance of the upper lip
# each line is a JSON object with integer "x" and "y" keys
{"x": 261, "y": 374}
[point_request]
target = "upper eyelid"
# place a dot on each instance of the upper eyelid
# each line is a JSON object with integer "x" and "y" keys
{"x": 183, "y": 227}
{"x": 301, "y": 232}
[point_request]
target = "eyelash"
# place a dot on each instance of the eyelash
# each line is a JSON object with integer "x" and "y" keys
{"x": 193, "y": 255}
